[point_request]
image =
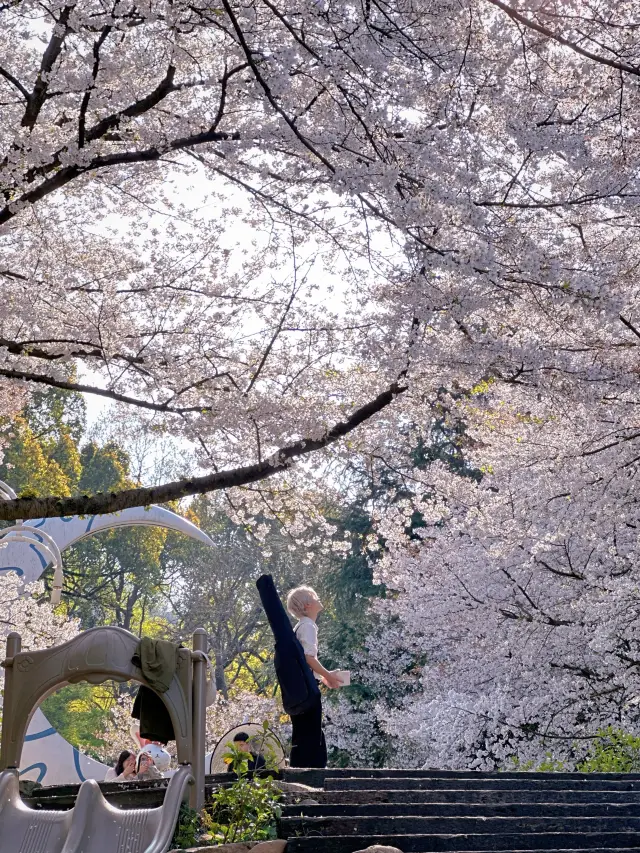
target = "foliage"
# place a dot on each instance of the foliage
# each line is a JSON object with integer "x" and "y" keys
{"x": 42, "y": 453}
{"x": 113, "y": 733}
{"x": 246, "y": 809}
{"x": 215, "y": 589}
{"x": 188, "y": 828}
{"x": 612, "y": 751}
{"x": 549, "y": 764}
{"x": 77, "y": 713}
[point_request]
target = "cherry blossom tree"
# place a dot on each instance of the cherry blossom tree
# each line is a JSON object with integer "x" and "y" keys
{"x": 265, "y": 225}
{"x": 23, "y": 610}
{"x": 520, "y": 597}
{"x": 280, "y": 231}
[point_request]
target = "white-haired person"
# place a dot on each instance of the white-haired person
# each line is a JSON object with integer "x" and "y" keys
{"x": 308, "y": 746}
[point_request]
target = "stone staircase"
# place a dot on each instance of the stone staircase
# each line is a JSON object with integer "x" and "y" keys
{"x": 428, "y": 811}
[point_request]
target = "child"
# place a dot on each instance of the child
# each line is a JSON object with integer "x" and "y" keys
{"x": 308, "y": 747}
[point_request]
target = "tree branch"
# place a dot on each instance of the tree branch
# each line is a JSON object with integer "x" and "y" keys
{"x": 67, "y": 174}
{"x": 23, "y": 376}
{"x": 106, "y": 502}
{"x": 14, "y": 82}
{"x": 31, "y": 349}
{"x": 37, "y": 98}
{"x": 630, "y": 326}
{"x": 94, "y": 76}
{"x": 533, "y": 25}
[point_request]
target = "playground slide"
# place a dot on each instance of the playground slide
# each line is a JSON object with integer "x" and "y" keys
{"x": 47, "y": 757}
{"x": 92, "y": 825}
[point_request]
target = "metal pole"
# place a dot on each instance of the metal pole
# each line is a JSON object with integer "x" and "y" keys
{"x": 14, "y": 644}
{"x": 200, "y": 642}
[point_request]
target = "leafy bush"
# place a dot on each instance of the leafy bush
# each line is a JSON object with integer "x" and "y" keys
{"x": 188, "y": 829}
{"x": 613, "y": 751}
{"x": 245, "y": 810}
{"x": 549, "y": 764}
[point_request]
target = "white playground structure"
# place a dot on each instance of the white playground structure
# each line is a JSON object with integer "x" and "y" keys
{"x": 28, "y": 548}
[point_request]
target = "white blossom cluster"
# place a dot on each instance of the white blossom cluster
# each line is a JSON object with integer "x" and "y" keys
{"x": 244, "y": 707}
{"x": 522, "y": 599}
{"x": 23, "y": 609}
{"x": 246, "y": 222}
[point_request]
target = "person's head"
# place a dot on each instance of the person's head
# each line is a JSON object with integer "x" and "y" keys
{"x": 153, "y": 754}
{"x": 126, "y": 760}
{"x": 241, "y": 742}
{"x": 304, "y": 601}
{"x": 144, "y": 762}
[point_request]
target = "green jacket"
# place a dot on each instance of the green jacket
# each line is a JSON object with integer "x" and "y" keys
{"x": 158, "y": 660}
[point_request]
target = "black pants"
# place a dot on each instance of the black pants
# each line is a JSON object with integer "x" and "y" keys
{"x": 308, "y": 746}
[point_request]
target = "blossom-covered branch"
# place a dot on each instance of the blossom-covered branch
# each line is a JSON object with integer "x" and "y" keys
{"x": 277, "y": 462}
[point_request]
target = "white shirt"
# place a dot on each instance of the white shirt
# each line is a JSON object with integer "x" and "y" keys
{"x": 307, "y": 632}
{"x": 110, "y": 775}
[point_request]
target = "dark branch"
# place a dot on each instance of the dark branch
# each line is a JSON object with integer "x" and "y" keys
{"x": 105, "y": 502}
{"x": 65, "y": 175}
{"x": 37, "y": 98}
{"x": 31, "y": 349}
{"x": 630, "y": 326}
{"x": 533, "y": 25}
{"x": 14, "y": 82}
{"x": 166, "y": 407}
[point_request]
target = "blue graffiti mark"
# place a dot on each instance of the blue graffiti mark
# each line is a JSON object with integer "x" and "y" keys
{"x": 38, "y": 735}
{"x": 40, "y": 523}
{"x": 68, "y": 518}
{"x": 40, "y": 767}
{"x": 76, "y": 761}
{"x": 91, "y": 520}
{"x": 15, "y": 569}
{"x": 40, "y": 557}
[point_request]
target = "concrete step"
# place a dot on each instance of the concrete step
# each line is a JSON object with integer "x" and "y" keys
{"x": 495, "y": 783}
{"x": 392, "y": 773}
{"x": 472, "y": 797}
{"x": 467, "y": 810}
{"x": 494, "y": 826}
{"x": 123, "y": 795}
{"x": 540, "y": 843}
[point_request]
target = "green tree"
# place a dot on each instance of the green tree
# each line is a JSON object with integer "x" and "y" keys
{"x": 612, "y": 751}
{"x": 43, "y": 450}
{"x": 214, "y": 588}
{"x": 77, "y": 712}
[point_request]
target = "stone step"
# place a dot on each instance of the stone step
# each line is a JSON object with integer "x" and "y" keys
{"x": 393, "y": 773}
{"x": 481, "y": 796}
{"x": 474, "y": 797}
{"x": 495, "y": 783}
{"x": 494, "y": 826}
{"x": 539, "y": 843}
{"x": 467, "y": 810}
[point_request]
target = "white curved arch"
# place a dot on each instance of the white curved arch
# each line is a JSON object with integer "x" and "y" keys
{"x": 46, "y": 756}
{"x": 30, "y": 561}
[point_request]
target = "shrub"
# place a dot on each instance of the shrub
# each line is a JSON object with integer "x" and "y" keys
{"x": 613, "y": 751}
